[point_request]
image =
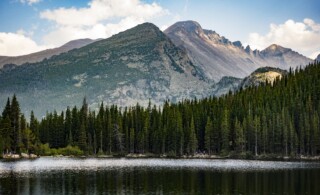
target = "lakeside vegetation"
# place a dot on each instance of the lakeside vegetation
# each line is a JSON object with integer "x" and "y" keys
{"x": 281, "y": 119}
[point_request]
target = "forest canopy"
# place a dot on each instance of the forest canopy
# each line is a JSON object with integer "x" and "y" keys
{"x": 271, "y": 119}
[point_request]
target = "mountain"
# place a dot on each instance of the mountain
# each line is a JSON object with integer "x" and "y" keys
{"x": 217, "y": 56}
{"x": 133, "y": 66}
{"x": 39, "y": 56}
{"x": 283, "y": 58}
{"x": 318, "y": 58}
{"x": 262, "y": 75}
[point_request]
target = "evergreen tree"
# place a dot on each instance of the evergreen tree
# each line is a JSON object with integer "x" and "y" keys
{"x": 15, "y": 124}
{"x": 225, "y": 130}
{"x": 193, "y": 142}
{"x": 82, "y": 143}
{"x": 208, "y": 136}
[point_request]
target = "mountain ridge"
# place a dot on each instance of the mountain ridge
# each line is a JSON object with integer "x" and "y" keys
{"x": 217, "y": 56}
{"x": 41, "y": 55}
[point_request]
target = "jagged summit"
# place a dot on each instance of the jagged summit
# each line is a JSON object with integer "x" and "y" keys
{"x": 275, "y": 49}
{"x": 217, "y": 56}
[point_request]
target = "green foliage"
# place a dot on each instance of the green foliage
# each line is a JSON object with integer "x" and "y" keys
{"x": 70, "y": 151}
{"x": 45, "y": 150}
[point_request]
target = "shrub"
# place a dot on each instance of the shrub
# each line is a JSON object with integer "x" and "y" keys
{"x": 44, "y": 150}
{"x": 70, "y": 150}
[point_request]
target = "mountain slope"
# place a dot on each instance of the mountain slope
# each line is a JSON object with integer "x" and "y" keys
{"x": 133, "y": 66}
{"x": 39, "y": 56}
{"x": 217, "y": 56}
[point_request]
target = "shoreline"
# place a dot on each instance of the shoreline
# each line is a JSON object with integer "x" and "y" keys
{"x": 184, "y": 157}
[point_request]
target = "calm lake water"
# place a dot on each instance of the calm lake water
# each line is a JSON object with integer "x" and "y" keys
{"x": 157, "y": 176}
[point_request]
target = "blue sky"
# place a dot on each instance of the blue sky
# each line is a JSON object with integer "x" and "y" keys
{"x": 31, "y": 25}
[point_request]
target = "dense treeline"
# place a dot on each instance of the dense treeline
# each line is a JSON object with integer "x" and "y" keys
{"x": 280, "y": 118}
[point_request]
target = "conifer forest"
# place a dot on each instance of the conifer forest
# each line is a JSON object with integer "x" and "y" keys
{"x": 271, "y": 119}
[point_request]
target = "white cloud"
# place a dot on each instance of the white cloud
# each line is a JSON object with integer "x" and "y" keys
{"x": 13, "y": 44}
{"x": 101, "y": 19}
{"x": 101, "y": 10}
{"x": 303, "y": 37}
{"x": 30, "y": 2}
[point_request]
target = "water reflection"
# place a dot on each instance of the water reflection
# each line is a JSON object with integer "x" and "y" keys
{"x": 152, "y": 176}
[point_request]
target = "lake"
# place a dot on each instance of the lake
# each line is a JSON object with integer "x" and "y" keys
{"x": 50, "y": 175}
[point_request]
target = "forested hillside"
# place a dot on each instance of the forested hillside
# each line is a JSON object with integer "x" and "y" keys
{"x": 278, "y": 119}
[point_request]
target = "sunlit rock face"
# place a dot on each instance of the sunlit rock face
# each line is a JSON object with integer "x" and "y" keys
{"x": 218, "y": 57}
{"x": 263, "y": 75}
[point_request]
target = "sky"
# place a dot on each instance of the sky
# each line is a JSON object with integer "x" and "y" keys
{"x": 28, "y": 26}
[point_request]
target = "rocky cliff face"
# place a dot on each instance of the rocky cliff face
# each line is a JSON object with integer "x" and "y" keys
{"x": 217, "y": 57}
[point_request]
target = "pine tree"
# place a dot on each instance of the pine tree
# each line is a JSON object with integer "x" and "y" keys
{"x": 225, "y": 130}
{"x": 208, "y": 135}
{"x": 180, "y": 136}
{"x": 193, "y": 142}
{"x": 34, "y": 125}
{"x": 7, "y": 110}
{"x": 5, "y": 131}
{"x": 24, "y": 137}
{"x": 82, "y": 143}
{"x": 15, "y": 124}
{"x": 240, "y": 138}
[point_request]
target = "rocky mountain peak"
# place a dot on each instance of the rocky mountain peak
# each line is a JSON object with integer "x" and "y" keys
{"x": 318, "y": 58}
{"x": 275, "y": 49}
{"x": 194, "y": 29}
{"x": 248, "y": 50}
{"x": 185, "y": 26}
{"x": 238, "y": 44}
{"x": 141, "y": 32}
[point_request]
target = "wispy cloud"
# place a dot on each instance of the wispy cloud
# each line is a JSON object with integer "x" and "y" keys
{"x": 30, "y": 2}
{"x": 186, "y": 6}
